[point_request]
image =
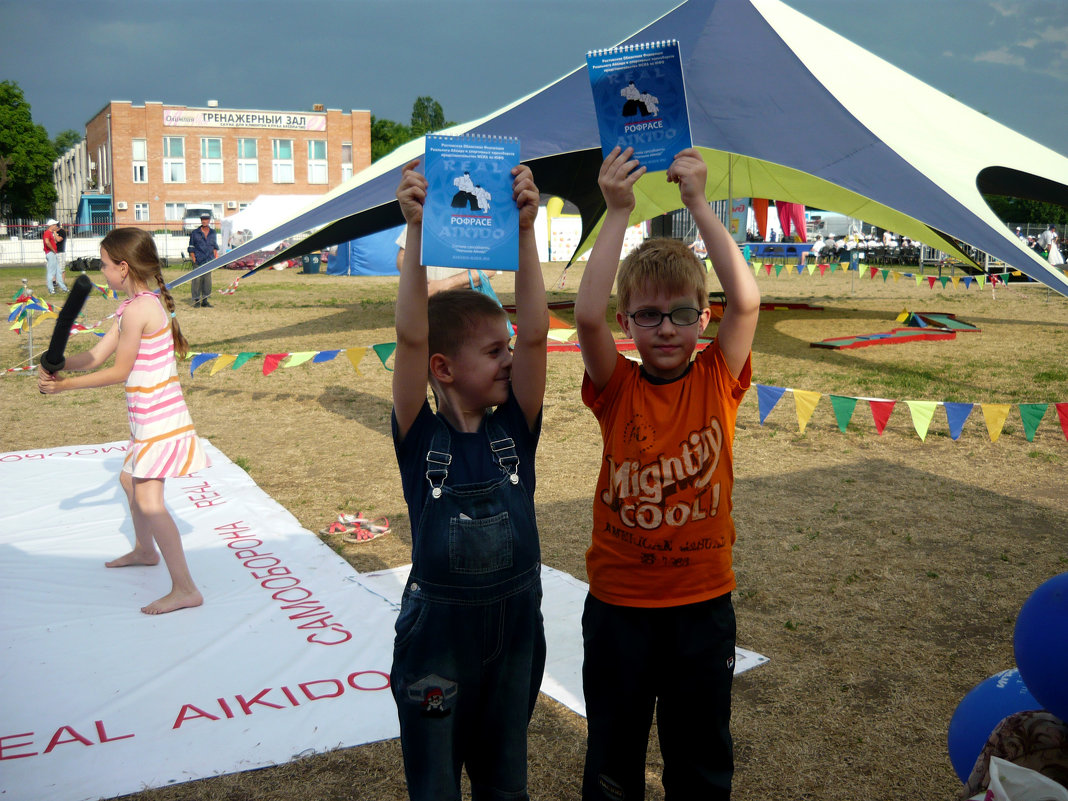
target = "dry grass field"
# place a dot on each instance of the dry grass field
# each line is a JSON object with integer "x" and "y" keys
{"x": 881, "y": 574}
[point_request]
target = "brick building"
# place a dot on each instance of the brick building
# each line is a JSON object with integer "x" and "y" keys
{"x": 156, "y": 159}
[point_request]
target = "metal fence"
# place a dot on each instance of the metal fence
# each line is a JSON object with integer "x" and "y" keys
{"x": 85, "y": 245}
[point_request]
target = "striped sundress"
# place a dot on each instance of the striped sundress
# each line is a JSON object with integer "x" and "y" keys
{"x": 163, "y": 442}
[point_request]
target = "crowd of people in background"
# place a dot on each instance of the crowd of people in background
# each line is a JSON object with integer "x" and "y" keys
{"x": 886, "y": 248}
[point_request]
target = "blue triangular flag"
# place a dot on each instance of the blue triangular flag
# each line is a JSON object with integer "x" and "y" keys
{"x": 956, "y": 414}
{"x": 325, "y": 356}
{"x": 767, "y": 397}
{"x": 199, "y": 359}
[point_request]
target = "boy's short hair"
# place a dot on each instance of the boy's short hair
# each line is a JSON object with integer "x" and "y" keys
{"x": 663, "y": 265}
{"x": 453, "y": 313}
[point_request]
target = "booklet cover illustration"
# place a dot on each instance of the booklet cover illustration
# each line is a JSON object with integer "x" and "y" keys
{"x": 469, "y": 217}
{"x": 640, "y": 97}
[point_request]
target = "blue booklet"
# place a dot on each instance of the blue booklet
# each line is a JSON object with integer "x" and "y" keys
{"x": 469, "y": 217}
{"x": 640, "y": 98}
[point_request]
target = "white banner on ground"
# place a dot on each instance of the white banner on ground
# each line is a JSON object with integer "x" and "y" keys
{"x": 288, "y": 656}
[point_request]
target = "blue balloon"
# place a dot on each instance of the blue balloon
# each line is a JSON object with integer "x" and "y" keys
{"x": 979, "y": 713}
{"x": 1040, "y": 643}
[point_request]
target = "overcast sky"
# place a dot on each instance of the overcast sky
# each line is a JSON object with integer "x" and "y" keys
{"x": 1008, "y": 58}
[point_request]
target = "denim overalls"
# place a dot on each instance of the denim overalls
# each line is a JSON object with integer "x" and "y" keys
{"x": 470, "y": 646}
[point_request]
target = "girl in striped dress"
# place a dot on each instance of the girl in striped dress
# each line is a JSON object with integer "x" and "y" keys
{"x": 163, "y": 443}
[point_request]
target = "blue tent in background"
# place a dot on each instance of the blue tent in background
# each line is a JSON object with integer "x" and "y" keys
{"x": 780, "y": 107}
{"x": 369, "y": 255}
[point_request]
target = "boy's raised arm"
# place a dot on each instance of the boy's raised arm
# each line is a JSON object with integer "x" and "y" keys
{"x": 532, "y": 312}
{"x": 618, "y": 174}
{"x": 411, "y": 357}
{"x": 738, "y": 326}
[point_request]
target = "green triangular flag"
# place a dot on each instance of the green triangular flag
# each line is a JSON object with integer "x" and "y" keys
{"x": 242, "y": 358}
{"x": 843, "y": 410}
{"x": 1032, "y": 414}
{"x": 384, "y": 351}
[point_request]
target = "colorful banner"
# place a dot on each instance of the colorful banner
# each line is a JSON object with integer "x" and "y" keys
{"x": 885, "y": 273}
{"x": 995, "y": 415}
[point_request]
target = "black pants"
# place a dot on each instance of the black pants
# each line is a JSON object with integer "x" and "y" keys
{"x": 677, "y": 660}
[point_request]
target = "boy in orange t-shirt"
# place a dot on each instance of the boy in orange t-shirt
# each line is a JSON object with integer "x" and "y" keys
{"x": 658, "y": 626}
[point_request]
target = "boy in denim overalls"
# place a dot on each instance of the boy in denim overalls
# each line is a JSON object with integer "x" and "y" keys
{"x": 470, "y": 645}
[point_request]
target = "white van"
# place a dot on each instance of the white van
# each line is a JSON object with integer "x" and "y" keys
{"x": 191, "y": 215}
{"x": 830, "y": 223}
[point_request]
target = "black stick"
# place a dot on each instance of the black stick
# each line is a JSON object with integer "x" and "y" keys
{"x": 53, "y": 360}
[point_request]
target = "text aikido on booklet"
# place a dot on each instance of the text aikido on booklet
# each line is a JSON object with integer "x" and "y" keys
{"x": 470, "y": 218}
{"x": 640, "y": 97}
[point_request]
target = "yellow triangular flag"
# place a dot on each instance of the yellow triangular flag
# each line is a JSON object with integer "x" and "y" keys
{"x": 897, "y": 276}
{"x": 812, "y": 268}
{"x": 299, "y": 357}
{"x": 922, "y": 413}
{"x": 919, "y": 280}
{"x": 224, "y": 360}
{"x": 355, "y": 355}
{"x": 805, "y": 404}
{"x": 995, "y": 415}
{"x": 956, "y": 281}
{"x": 561, "y": 334}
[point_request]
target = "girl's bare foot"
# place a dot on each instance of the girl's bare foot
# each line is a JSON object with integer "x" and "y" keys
{"x": 135, "y": 557}
{"x": 172, "y": 601}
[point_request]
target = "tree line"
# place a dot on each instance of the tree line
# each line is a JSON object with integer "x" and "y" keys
{"x": 26, "y": 157}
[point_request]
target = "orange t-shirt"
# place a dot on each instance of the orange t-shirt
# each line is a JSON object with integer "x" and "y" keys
{"x": 662, "y": 526}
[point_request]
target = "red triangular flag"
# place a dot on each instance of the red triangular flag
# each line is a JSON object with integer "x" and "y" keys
{"x": 1062, "y": 415}
{"x": 271, "y": 362}
{"x": 931, "y": 281}
{"x": 880, "y": 412}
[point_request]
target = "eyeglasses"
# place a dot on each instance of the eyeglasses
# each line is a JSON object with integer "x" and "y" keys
{"x": 651, "y": 318}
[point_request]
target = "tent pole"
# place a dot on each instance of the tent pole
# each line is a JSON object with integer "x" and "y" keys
{"x": 730, "y": 190}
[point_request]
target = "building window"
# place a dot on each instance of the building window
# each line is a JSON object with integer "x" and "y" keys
{"x": 317, "y": 172}
{"x": 139, "y": 160}
{"x": 141, "y": 212}
{"x": 173, "y": 212}
{"x": 346, "y": 160}
{"x": 211, "y": 166}
{"x": 173, "y": 160}
{"x": 282, "y": 161}
{"x": 248, "y": 166}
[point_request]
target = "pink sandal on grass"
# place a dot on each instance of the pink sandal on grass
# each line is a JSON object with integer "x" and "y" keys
{"x": 367, "y": 530}
{"x": 338, "y": 527}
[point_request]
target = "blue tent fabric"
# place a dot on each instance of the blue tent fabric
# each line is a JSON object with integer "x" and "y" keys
{"x": 784, "y": 131}
{"x": 375, "y": 254}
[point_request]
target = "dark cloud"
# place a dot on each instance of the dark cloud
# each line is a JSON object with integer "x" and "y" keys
{"x": 998, "y": 56}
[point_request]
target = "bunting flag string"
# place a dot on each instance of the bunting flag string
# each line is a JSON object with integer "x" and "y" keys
{"x": 995, "y": 415}
{"x": 272, "y": 361}
{"x": 885, "y": 273}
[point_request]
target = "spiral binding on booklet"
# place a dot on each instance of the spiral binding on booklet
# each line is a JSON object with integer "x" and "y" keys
{"x": 473, "y": 137}
{"x": 632, "y": 48}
